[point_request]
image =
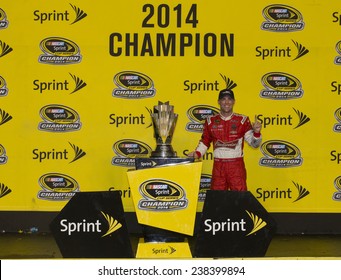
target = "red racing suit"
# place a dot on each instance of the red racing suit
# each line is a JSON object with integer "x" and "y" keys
{"x": 228, "y": 135}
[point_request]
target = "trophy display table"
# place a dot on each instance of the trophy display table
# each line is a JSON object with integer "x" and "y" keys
{"x": 154, "y": 234}
{"x": 165, "y": 200}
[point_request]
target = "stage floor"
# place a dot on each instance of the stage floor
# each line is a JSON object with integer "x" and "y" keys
{"x": 43, "y": 246}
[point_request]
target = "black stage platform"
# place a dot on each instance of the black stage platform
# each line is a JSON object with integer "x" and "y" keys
{"x": 43, "y": 246}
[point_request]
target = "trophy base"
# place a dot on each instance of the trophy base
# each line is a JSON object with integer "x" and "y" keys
{"x": 142, "y": 163}
{"x": 163, "y": 250}
{"x": 162, "y": 155}
{"x": 163, "y": 151}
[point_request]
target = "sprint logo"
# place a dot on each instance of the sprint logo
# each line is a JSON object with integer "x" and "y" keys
{"x": 79, "y": 83}
{"x": 302, "y": 192}
{"x": 112, "y": 223}
{"x": 55, "y": 155}
{"x": 57, "y": 86}
{"x": 283, "y": 119}
{"x": 164, "y": 251}
{"x": 282, "y": 193}
{"x": 80, "y": 14}
{"x": 303, "y": 118}
{"x": 282, "y": 52}
{"x": 258, "y": 223}
{"x": 43, "y": 17}
{"x": 79, "y": 153}
{"x": 235, "y": 226}
{"x": 90, "y": 226}
{"x": 4, "y": 49}
{"x": 301, "y": 50}
{"x": 4, "y": 190}
{"x": 4, "y": 117}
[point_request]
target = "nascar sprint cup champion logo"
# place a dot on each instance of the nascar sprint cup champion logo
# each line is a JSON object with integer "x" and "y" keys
{"x": 3, "y": 156}
{"x": 59, "y": 118}
{"x": 197, "y": 115}
{"x": 337, "y": 126}
{"x": 282, "y": 18}
{"x": 3, "y": 19}
{"x": 281, "y": 86}
{"x": 3, "y": 87}
{"x": 57, "y": 187}
{"x": 280, "y": 154}
{"x": 59, "y": 51}
{"x": 133, "y": 85}
{"x": 337, "y": 59}
{"x": 337, "y": 185}
{"x": 205, "y": 185}
{"x": 126, "y": 151}
{"x": 162, "y": 195}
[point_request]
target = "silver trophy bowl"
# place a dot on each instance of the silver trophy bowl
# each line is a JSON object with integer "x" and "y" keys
{"x": 164, "y": 122}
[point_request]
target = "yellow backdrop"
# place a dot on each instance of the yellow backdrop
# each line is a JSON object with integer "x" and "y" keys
{"x": 78, "y": 78}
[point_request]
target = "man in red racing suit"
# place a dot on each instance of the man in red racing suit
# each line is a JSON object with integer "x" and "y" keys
{"x": 227, "y": 131}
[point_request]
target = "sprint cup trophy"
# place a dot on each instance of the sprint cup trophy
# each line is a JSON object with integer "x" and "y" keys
{"x": 164, "y": 122}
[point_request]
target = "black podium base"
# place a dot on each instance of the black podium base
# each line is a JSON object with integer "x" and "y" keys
{"x": 153, "y": 234}
{"x": 233, "y": 224}
{"x": 92, "y": 225}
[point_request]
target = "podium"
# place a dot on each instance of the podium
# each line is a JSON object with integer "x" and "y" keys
{"x": 233, "y": 224}
{"x": 165, "y": 200}
{"x": 92, "y": 225}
